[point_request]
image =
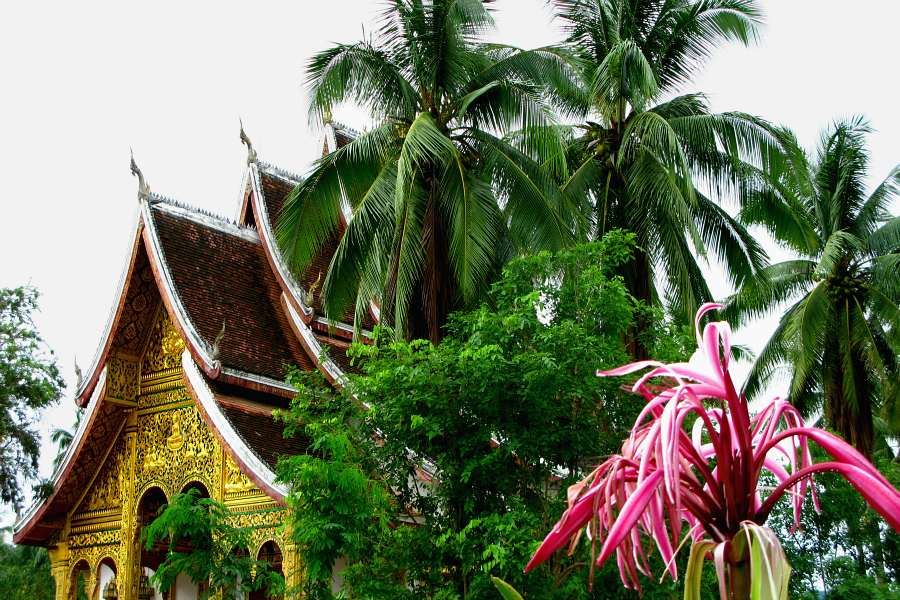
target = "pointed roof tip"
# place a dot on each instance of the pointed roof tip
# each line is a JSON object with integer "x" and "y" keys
{"x": 251, "y": 153}
{"x": 143, "y": 188}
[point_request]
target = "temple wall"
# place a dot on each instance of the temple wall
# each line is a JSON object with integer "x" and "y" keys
{"x": 164, "y": 444}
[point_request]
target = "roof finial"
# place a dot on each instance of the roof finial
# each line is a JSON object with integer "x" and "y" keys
{"x": 78, "y": 375}
{"x": 326, "y": 117}
{"x": 214, "y": 353}
{"x": 251, "y": 153}
{"x": 143, "y": 188}
{"x": 311, "y": 293}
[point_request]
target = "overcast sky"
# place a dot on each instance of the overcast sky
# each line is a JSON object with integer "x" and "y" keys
{"x": 82, "y": 82}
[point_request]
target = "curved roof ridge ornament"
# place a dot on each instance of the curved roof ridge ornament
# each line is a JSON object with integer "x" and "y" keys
{"x": 251, "y": 153}
{"x": 143, "y": 188}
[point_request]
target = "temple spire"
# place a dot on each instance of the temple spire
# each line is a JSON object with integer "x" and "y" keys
{"x": 251, "y": 153}
{"x": 143, "y": 188}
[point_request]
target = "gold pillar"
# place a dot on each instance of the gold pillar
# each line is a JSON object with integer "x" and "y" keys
{"x": 91, "y": 582}
{"x": 290, "y": 564}
{"x": 59, "y": 568}
{"x": 129, "y": 550}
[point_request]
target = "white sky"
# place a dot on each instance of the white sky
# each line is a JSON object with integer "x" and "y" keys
{"x": 81, "y": 82}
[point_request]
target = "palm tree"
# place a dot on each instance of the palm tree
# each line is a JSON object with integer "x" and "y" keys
{"x": 640, "y": 161}
{"x": 439, "y": 200}
{"x": 841, "y": 339}
{"x": 63, "y": 438}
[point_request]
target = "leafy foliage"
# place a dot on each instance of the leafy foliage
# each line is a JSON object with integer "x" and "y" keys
{"x": 844, "y": 546}
{"x": 340, "y": 508}
{"x": 25, "y": 573}
{"x": 204, "y": 544}
{"x": 476, "y": 438}
{"x": 29, "y": 382}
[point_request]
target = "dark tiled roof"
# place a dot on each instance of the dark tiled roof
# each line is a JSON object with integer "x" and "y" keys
{"x": 221, "y": 275}
{"x": 251, "y": 415}
{"x": 276, "y": 190}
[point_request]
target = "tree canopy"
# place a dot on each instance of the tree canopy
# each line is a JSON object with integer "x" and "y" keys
{"x": 648, "y": 150}
{"x": 30, "y": 382}
{"x": 479, "y": 437}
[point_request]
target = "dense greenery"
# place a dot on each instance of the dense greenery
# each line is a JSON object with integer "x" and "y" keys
{"x": 847, "y": 547}
{"x": 479, "y": 437}
{"x": 29, "y": 382}
{"x": 25, "y": 573}
{"x": 204, "y": 544}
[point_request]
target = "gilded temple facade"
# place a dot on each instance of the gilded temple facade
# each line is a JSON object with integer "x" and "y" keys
{"x": 182, "y": 391}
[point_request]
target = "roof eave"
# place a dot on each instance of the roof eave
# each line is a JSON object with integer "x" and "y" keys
{"x": 228, "y": 437}
{"x": 27, "y": 521}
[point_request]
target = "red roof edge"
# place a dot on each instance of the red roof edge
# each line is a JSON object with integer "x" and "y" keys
{"x": 83, "y": 395}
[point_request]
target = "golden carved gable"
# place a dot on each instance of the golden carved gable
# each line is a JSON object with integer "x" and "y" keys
{"x": 176, "y": 447}
{"x": 164, "y": 348}
{"x": 104, "y": 496}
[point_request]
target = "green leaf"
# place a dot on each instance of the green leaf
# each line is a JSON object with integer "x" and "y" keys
{"x": 506, "y": 590}
{"x": 694, "y": 570}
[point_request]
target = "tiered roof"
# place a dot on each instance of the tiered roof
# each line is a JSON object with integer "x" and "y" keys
{"x": 207, "y": 271}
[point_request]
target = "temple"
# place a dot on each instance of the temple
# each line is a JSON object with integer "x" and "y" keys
{"x": 182, "y": 390}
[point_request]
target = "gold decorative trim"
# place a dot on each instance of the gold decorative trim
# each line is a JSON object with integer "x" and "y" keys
{"x": 99, "y": 526}
{"x": 165, "y": 408}
{"x": 96, "y": 514}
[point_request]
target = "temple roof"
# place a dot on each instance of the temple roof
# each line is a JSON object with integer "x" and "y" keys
{"x": 221, "y": 274}
{"x": 207, "y": 270}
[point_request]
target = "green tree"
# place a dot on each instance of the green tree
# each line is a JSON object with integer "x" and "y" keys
{"x": 641, "y": 159}
{"x": 840, "y": 340}
{"x": 479, "y": 437}
{"x": 25, "y": 573}
{"x": 204, "y": 544}
{"x": 439, "y": 202}
{"x": 63, "y": 438}
{"x": 29, "y": 382}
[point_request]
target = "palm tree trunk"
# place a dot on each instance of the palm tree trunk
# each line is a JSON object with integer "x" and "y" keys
{"x": 641, "y": 284}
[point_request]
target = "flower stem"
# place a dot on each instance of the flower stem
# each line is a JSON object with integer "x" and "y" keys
{"x": 739, "y": 571}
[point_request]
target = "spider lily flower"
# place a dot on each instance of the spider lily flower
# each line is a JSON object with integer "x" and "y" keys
{"x": 706, "y": 482}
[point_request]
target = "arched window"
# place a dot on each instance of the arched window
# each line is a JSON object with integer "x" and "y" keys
{"x": 270, "y": 554}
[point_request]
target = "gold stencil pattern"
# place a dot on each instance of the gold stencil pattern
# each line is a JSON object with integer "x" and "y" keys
{"x": 121, "y": 379}
{"x": 138, "y": 311}
{"x": 164, "y": 351}
{"x": 175, "y": 447}
{"x": 106, "y": 491}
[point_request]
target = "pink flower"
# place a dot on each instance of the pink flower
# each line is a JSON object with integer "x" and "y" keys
{"x": 707, "y": 481}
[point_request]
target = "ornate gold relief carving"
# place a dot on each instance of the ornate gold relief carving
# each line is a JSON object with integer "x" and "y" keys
{"x": 175, "y": 446}
{"x": 121, "y": 380}
{"x": 161, "y": 399}
{"x": 106, "y": 537}
{"x": 165, "y": 347}
{"x": 235, "y": 481}
{"x": 175, "y": 441}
